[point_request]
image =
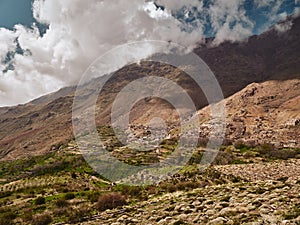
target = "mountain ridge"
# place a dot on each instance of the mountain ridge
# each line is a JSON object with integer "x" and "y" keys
{"x": 45, "y": 123}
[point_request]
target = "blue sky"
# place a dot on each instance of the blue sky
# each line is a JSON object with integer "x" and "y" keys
{"x": 260, "y": 16}
{"x": 20, "y": 12}
{"x": 15, "y": 12}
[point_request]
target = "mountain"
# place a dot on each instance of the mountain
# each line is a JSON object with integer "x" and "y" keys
{"x": 259, "y": 78}
{"x": 267, "y": 112}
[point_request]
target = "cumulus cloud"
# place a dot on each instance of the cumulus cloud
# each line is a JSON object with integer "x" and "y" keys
{"x": 264, "y": 3}
{"x": 177, "y": 5}
{"x": 283, "y": 27}
{"x": 80, "y": 31}
{"x": 296, "y": 12}
{"x": 229, "y": 20}
{"x": 7, "y": 42}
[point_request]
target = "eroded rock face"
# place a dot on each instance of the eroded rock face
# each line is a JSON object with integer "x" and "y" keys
{"x": 263, "y": 113}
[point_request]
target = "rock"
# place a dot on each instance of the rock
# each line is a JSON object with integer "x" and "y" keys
{"x": 210, "y": 212}
{"x": 166, "y": 220}
{"x": 228, "y": 211}
{"x": 217, "y": 221}
{"x": 243, "y": 210}
{"x": 122, "y": 218}
{"x": 196, "y": 203}
{"x": 185, "y": 208}
{"x": 134, "y": 220}
{"x": 183, "y": 217}
{"x": 179, "y": 207}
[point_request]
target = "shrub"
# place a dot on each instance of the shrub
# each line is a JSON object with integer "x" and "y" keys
{"x": 27, "y": 214}
{"x": 265, "y": 149}
{"x": 4, "y": 194}
{"x": 151, "y": 190}
{"x": 40, "y": 201}
{"x": 171, "y": 188}
{"x": 202, "y": 142}
{"x": 69, "y": 196}
{"x": 283, "y": 154}
{"x": 224, "y": 158}
{"x": 42, "y": 219}
{"x": 239, "y": 144}
{"x": 73, "y": 175}
{"x": 61, "y": 203}
{"x": 110, "y": 201}
{"x": 79, "y": 213}
{"x": 60, "y": 212}
{"x": 227, "y": 142}
{"x": 7, "y": 218}
{"x": 195, "y": 159}
{"x": 268, "y": 150}
{"x": 133, "y": 191}
{"x": 93, "y": 196}
{"x": 187, "y": 185}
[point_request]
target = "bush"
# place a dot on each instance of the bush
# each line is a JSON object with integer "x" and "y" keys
{"x": 202, "y": 142}
{"x": 171, "y": 187}
{"x": 40, "y": 201}
{"x": 239, "y": 144}
{"x": 224, "y": 158}
{"x": 283, "y": 154}
{"x": 227, "y": 142}
{"x": 133, "y": 191}
{"x": 110, "y": 201}
{"x": 69, "y": 196}
{"x": 196, "y": 158}
{"x": 42, "y": 219}
{"x": 79, "y": 213}
{"x": 7, "y": 218}
{"x": 73, "y": 175}
{"x": 4, "y": 194}
{"x": 265, "y": 149}
{"x": 268, "y": 150}
{"x": 60, "y": 212}
{"x": 93, "y": 196}
{"x": 61, "y": 203}
{"x": 27, "y": 214}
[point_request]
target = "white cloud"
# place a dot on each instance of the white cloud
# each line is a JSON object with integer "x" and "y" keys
{"x": 7, "y": 42}
{"x": 283, "y": 27}
{"x": 80, "y": 31}
{"x": 229, "y": 20}
{"x": 264, "y": 3}
{"x": 296, "y": 12}
{"x": 177, "y": 5}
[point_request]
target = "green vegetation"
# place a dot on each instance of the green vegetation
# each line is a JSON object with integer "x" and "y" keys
{"x": 40, "y": 201}
{"x": 62, "y": 187}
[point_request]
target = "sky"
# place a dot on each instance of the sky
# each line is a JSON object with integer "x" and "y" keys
{"x": 15, "y": 12}
{"x": 48, "y": 44}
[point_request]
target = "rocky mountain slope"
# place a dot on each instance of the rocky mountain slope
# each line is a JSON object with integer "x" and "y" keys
{"x": 267, "y": 112}
{"x": 268, "y": 199}
{"x": 271, "y": 60}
